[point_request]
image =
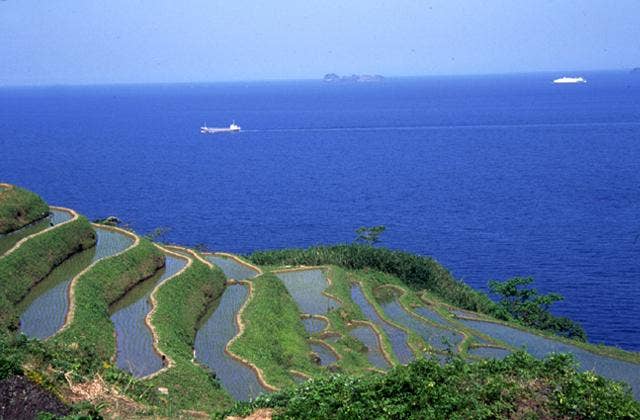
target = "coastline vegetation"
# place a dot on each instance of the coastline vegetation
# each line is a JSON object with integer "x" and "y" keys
{"x": 527, "y": 306}
{"x": 35, "y": 259}
{"x": 20, "y": 207}
{"x": 517, "y": 387}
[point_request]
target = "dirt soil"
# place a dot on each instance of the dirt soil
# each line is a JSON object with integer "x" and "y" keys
{"x": 22, "y": 399}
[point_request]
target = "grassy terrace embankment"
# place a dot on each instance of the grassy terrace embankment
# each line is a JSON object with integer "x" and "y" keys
{"x": 416, "y": 271}
{"x": 273, "y": 337}
{"x": 35, "y": 258}
{"x": 19, "y": 207}
{"x": 179, "y": 304}
{"x": 99, "y": 286}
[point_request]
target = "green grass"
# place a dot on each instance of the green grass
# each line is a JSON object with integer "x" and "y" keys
{"x": 517, "y": 387}
{"x": 415, "y": 271}
{"x": 100, "y": 287}
{"x": 353, "y": 359}
{"x": 181, "y": 302}
{"x": 19, "y": 207}
{"x": 274, "y": 339}
{"x": 35, "y": 259}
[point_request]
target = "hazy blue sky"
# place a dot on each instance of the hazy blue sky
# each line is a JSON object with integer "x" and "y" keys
{"x": 92, "y": 41}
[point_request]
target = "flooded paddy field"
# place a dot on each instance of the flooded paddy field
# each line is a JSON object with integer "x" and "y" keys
{"x": 438, "y": 338}
{"x": 135, "y": 352}
{"x": 367, "y": 336}
{"x": 326, "y": 356}
{"x": 44, "y": 309}
{"x": 489, "y": 352}
{"x": 217, "y": 328}
{"x": 397, "y": 337}
{"x": 306, "y": 287}
{"x": 231, "y": 268}
{"x": 314, "y": 325}
{"x": 541, "y": 347}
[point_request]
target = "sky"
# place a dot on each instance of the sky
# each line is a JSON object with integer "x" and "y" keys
{"x": 151, "y": 41}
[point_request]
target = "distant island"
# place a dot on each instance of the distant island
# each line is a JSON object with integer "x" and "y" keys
{"x": 635, "y": 70}
{"x": 354, "y": 78}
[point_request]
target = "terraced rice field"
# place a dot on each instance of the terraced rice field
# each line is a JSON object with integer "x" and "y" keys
{"x": 540, "y": 347}
{"x": 432, "y": 315}
{"x": 306, "y": 287}
{"x": 326, "y": 356}
{"x": 367, "y": 336}
{"x": 231, "y": 268}
{"x": 217, "y": 329}
{"x": 397, "y": 337}
{"x": 135, "y": 352}
{"x": 438, "y": 338}
{"x": 489, "y": 352}
{"x": 314, "y": 325}
{"x": 46, "y": 305}
{"x": 7, "y": 241}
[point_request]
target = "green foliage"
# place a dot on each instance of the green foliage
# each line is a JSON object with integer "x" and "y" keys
{"x": 35, "y": 259}
{"x": 274, "y": 338}
{"x": 19, "y": 207}
{"x": 100, "y": 287}
{"x": 181, "y": 303}
{"x": 157, "y": 233}
{"x": 416, "y": 271}
{"x": 369, "y": 235}
{"x": 532, "y": 309}
{"x": 516, "y": 387}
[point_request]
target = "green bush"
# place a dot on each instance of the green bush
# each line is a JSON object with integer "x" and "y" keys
{"x": 530, "y": 308}
{"x": 516, "y": 387}
{"x": 19, "y": 207}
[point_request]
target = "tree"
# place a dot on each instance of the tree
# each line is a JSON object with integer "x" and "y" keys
{"x": 369, "y": 235}
{"x": 532, "y": 309}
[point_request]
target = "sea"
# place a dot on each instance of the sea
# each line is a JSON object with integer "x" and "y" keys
{"x": 493, "y": 176}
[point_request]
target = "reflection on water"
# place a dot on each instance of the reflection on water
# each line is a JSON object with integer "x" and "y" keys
{"x": 306, "y": 287}
{"x": 540, "y": 347}
{"x": 438, "y": 338}
{"x": 326, "y": 356}
{"x": 397, "y": 337}
{"x": 489, "y": 352}
{"x": 367, "y": 336}
{"x": 135, "y": 352}
{"x": 431, "y": 315}
{"x": 217, "y": 329}
{"x": 231, "y": 268}
{"x": 46, "y": 306}
{"x": 314, "y": 325}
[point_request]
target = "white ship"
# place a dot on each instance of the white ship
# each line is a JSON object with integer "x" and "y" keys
{"x": 233, "y": 127}
{"x": 566, "y": 80}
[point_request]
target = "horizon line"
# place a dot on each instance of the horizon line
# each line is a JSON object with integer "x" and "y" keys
{"x": 391, "y": 77}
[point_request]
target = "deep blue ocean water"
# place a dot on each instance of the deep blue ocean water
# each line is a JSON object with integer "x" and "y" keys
{"x": 493, "y": 176}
